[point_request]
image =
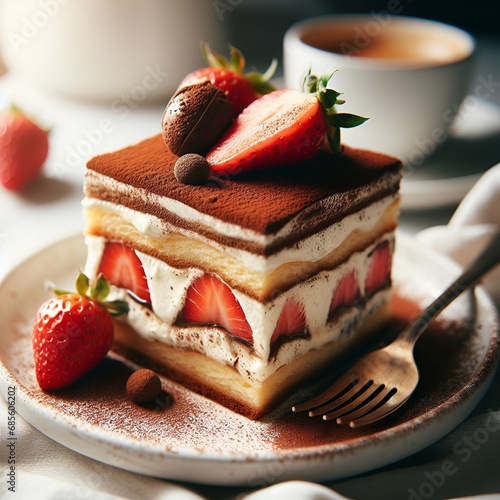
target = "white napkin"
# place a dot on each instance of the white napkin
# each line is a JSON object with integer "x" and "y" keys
{"x": 475, "y": 221}
{"x": 302, "y": 490}
{"x": 296, "y": 490}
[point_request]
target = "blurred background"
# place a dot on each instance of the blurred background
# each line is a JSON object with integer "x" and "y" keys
{"x": 256, "y": 27}
{"x": 479, "y": 17}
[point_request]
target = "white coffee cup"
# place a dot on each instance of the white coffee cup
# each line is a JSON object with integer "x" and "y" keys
{"x": 138, "y": 50}
{"x": 408, "y": 75}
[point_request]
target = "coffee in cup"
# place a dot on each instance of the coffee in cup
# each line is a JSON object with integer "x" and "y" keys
{"x": 408, "y": 75}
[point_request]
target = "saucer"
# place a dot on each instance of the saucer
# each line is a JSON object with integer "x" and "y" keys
{"x": 452, "y": 169}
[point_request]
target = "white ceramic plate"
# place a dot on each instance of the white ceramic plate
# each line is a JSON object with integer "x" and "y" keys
{"x": 194, "y": 439}
{"x": 448, "y": 174}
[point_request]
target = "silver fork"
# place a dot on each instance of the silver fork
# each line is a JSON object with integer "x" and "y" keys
{"x": 383, "y": 380}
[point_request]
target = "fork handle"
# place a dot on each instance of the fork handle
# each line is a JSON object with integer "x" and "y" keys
{"x": 474, "y": 272}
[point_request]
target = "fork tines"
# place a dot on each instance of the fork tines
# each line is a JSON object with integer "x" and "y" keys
{"x": 360, "y": 402}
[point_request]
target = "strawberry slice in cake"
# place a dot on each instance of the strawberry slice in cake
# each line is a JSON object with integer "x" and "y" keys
{"x": 209, "y": 301}
{"x": 243, "y": 287}
{"x": 121, "y": 266}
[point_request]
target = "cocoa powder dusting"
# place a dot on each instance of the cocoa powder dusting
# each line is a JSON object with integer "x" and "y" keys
{"x": 261, "y": 200}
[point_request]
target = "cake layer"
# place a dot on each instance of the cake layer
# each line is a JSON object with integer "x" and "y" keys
{"x": 363, "y": 281}
{"x": 256, "y": 276}
{"x": 261, "y": 212}
{"x": 224, "y": 384}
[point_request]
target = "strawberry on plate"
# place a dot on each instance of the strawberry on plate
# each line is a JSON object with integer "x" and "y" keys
{"x": 283, "y": 127}
{"x": 121, "y": 266}
{"x": 23, "y": 149}
{"x": 209, "y": 301}
{"x": 72, "y": 333}
{"x": 240, "y": 88}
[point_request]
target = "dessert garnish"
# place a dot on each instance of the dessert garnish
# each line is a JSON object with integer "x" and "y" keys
{"x": 192, "y": 169}
{"x": 73, "y": 332}
{"x": 143, "y": 385}
{"x": 208, "y": 99}
{"x": 23, "y": 149}
{"x": 283, "y": 127}
{"x": 228, "y": 74}
{"x": 195, "y": 118}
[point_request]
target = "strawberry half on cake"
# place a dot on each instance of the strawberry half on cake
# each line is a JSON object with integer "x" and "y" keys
{"x": 244, "y": 286}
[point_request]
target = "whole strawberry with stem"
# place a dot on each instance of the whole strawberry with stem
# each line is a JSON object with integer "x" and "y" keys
{"x": 228, "y": 75}
{"x": 23, "y": 149}
{"x": 73, "y": 332}
{"x": 283, "y": 127}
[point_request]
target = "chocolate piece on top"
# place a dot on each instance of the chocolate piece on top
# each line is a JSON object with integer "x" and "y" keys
{"x": 195, "y": 118}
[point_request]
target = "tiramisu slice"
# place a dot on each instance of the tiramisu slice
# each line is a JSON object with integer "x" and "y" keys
{"x": 244, "y": 279}
{"x": 243, "y": 287}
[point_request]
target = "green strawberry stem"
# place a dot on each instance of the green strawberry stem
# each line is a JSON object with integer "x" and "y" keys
{"x": 16, "y": 110}
{"x": 98, "y": 292}
{"x": 236, "y": 63}
{"x": 328, "y": 99}
{"x": 82, "y": 284}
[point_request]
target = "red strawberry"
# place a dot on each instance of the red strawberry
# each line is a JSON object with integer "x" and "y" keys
{"x": 72, "y": 334}
{"x": 292, "y": 320}
{"x": 379, "y": 267}
{"x": 240, "y": 89}
{"x": 283, "y": 127}
{"x": 346, "y": 292}
{"x": 121, "y": 266}
{"x": 23, "y": 149}
{"x": 209, "y": 301}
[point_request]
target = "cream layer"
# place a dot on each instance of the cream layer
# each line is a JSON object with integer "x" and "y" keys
{"x": 310, "y": 249}
{"x": 168, "y": 287}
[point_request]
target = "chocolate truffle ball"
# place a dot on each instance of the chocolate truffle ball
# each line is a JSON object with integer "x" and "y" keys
{"x": 195, "y": 118}
{"x": 143, "y": 385}
{"x": 192, "y": 169}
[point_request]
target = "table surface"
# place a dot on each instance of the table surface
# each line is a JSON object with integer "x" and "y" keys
{"x": 50, "y": 209}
